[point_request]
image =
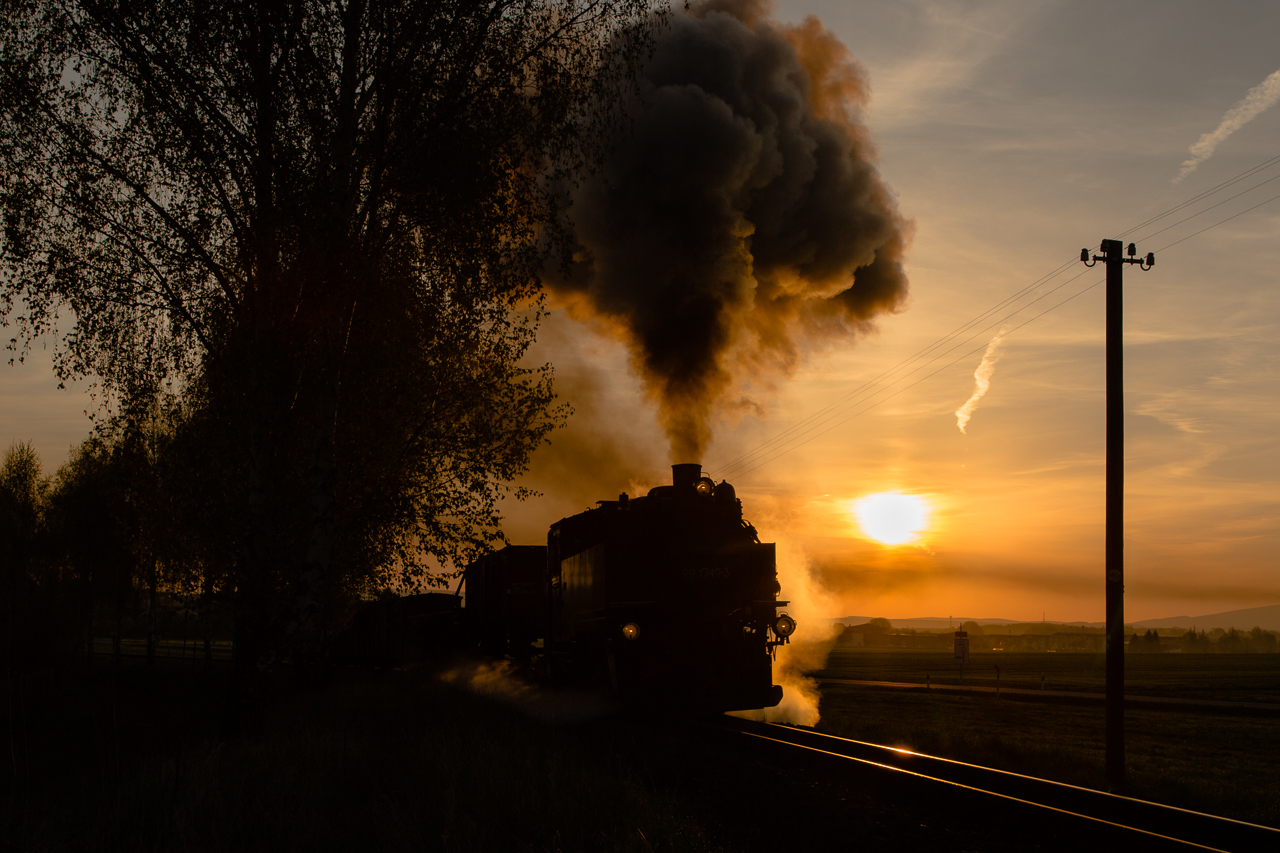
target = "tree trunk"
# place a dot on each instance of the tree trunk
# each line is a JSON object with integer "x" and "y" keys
{"x": 151, "y": 618}
{"x": 242, "y": 714}
{"x": 115, "y": 637}
{"x": 206, "y": 617}
{"x": 303, "y": 635}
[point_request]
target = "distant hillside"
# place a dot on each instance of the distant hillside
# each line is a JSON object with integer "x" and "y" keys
{"x": 1263, "y": 617}
{"x": 933, "y": 623}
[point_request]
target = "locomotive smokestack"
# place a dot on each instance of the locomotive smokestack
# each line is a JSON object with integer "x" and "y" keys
{"x": 686, "y": 475}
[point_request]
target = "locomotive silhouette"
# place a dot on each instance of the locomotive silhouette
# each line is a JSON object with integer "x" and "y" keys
{"x": 670, "y": 595}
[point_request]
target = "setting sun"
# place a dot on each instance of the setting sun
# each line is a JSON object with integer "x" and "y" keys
{"x": 892, "y": 517}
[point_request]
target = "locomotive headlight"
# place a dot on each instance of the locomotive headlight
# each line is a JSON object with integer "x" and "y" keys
{"x": 784, "y": 626}
{"x": 631, "y": 630}
{"x": 705, "y": 486}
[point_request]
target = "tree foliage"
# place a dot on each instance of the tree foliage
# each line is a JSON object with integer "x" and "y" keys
{"x": 39, "y": 626}
{"x": 23, "y": 488}
{"x": 22, "y": 496}
{"x": 323, "y": 223}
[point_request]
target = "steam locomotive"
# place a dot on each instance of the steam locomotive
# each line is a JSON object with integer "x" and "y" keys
{"x": 667, "y": 596}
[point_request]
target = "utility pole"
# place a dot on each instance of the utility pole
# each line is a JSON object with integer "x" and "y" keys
{"x": 1111, "y": 254}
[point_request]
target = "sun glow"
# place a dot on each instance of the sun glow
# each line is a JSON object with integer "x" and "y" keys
{"x": 892, "y": 517}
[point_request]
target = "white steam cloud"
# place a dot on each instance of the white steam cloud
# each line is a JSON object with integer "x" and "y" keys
{"x": 1258, "y": 100}
{"x": 807, "y": 652}
{"x": 981, "y": 379}
{"x": 501, "y": 682}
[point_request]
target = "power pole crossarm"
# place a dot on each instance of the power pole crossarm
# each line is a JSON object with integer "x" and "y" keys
{"x": 1112, "y": 255}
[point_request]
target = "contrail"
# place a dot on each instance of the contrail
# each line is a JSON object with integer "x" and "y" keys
{"x": 1259, "y": 99}
{"x": 981, "y": 379}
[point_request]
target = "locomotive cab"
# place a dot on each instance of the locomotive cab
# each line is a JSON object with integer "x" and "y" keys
{"x": 668, "y": 598}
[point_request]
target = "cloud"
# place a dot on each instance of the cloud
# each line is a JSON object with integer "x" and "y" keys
{"x": 1259, "y": 99}
{"x": 982, "y": 379}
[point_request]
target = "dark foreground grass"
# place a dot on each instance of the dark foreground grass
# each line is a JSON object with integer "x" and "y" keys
{"x": 1210, "y": 761}
{"x": 127, "y": 759}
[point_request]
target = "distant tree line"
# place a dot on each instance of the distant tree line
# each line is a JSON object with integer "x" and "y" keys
{"x": 1043, "y": 636}
{"x": 1225, "y": 641}
{"x": 129, "y": 538}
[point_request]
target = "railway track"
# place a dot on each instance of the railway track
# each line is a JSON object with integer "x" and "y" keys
{"x": 1146, "y": 824}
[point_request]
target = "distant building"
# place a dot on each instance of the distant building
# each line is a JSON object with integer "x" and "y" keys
{"x": 1068, "y": 641}
{"x": 880, "y": 636}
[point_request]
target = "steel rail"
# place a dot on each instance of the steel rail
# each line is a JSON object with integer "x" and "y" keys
{"x": 1151, "y": 820}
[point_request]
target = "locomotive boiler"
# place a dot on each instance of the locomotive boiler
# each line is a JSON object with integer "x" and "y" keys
{"x": 668, "y": 597}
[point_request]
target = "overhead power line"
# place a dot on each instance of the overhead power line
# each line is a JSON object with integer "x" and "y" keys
{"x": 1219, "y": 222}
{"x": 951, "y": 363}
{"x": 862, "y": 397}
{"x": 1214, "y": 190}
{"x": 959, "y": 330}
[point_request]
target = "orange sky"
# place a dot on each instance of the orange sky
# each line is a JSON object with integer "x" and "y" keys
{"x": 987, "y": 120}
{"x": 1013, "y": 134}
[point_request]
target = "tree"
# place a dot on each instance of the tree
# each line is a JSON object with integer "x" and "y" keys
{"x": 39, "y": 627}
{"x": 94, "y": 529}
{"x": 1262, "y": 640}
{"x": 1232, "y": 641}
{"x": 137, "y": 442}
{"x": 324, "y": 222}
{"x": 22, "y": 489}
{"x": 131, "y": 511}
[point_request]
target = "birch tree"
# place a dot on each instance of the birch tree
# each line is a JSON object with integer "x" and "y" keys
{"x": 325, "y": 220}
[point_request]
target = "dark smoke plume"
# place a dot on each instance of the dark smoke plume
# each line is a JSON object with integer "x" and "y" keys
{"x": 739, "y": 207}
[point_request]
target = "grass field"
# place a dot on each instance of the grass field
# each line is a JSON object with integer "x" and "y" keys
{"x": 1208, "y": 760}
{"x": 188, "y": 650}
{"x": 1236, "y": 677}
